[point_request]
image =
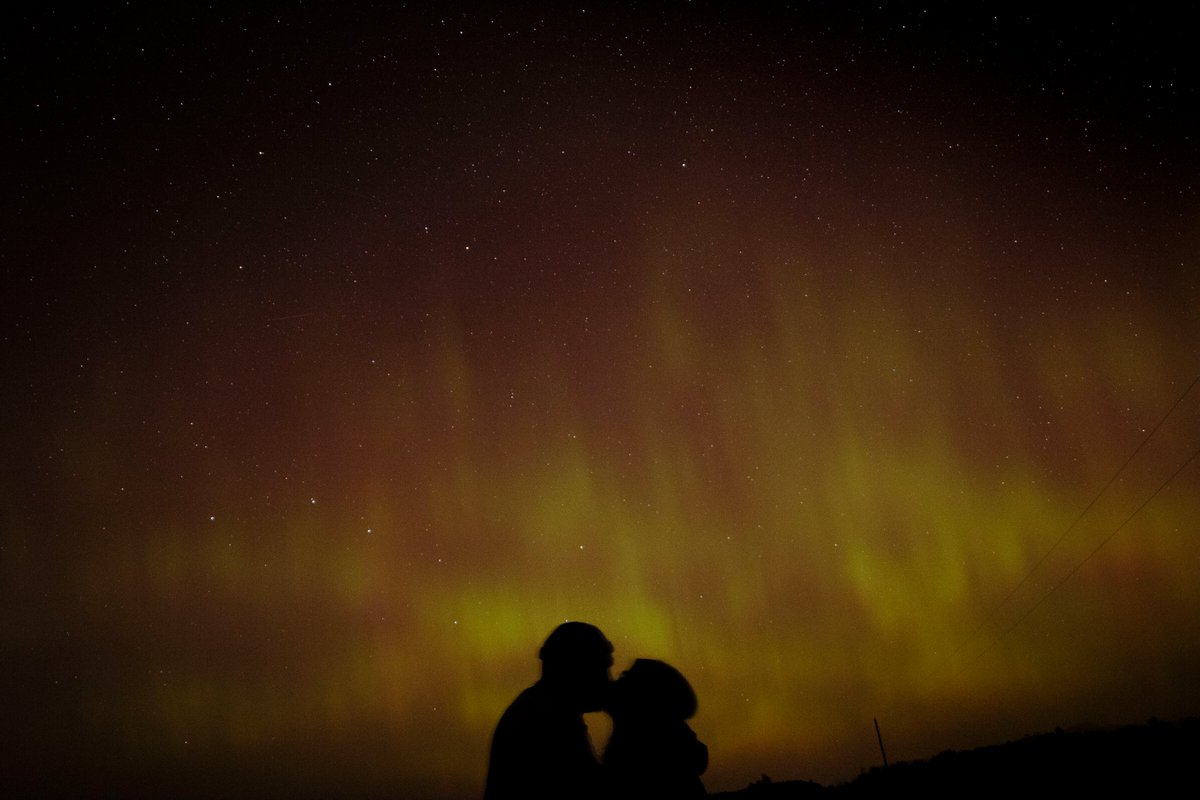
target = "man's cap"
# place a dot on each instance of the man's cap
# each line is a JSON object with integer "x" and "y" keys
{"x": 575, "y": 642}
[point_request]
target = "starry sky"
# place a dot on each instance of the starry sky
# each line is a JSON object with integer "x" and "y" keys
{"x": 839, "y": 356}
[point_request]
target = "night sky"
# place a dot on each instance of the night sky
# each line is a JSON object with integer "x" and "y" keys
{"x": 348, "y": 350}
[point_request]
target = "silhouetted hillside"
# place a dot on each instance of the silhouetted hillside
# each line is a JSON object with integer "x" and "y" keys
{"x": 1139, "y": 759}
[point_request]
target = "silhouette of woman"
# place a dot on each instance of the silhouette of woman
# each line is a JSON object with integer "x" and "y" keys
{"x": 652, "y": 752}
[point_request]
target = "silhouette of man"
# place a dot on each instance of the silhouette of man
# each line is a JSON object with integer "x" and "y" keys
{"x": 541, "y": 746}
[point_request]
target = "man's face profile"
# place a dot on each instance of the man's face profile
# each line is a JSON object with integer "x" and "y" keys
{"x": 594, "y": 680}
{"x": 577, "y": 659}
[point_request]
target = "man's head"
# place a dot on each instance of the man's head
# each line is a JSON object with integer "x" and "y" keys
{"x": 576, "y": 660}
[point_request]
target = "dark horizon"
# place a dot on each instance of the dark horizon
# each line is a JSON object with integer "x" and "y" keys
{"x": 1147, "y": 756}
{"x": 351, "y": 349}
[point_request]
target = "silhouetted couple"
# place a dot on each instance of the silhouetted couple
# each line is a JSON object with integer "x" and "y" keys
{"x": 541, "y": 747}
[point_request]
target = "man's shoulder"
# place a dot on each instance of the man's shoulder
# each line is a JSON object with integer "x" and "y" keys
{"x": 531, "y": 706}
{"x": 539, "y": 750}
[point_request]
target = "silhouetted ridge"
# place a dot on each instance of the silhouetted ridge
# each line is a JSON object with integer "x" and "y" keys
{"x": 1142, "y": 760}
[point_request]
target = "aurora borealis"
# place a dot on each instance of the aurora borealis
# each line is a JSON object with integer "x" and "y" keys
{"x": 349, "y": 349}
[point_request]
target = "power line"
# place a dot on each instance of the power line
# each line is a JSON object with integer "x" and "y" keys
{"x": 1053, "y": 589}
{"x": 1195, "y": 454}
{"x": 996, "y": 609}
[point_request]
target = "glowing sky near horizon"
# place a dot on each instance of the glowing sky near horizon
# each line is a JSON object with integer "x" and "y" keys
{"x": 350, "y": 354}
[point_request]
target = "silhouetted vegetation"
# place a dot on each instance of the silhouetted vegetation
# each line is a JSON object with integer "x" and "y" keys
{"x": 1142, "y": 760}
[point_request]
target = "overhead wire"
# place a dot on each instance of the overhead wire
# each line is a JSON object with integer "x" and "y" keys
{"x": 1046, "y": 595}
{"x": 1062, "y": 537}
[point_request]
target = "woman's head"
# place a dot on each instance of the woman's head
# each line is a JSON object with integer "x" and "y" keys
{"x": 652, "y": 688}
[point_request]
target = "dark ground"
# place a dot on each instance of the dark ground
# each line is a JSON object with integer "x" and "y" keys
{"x": 1157, "y": 758}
